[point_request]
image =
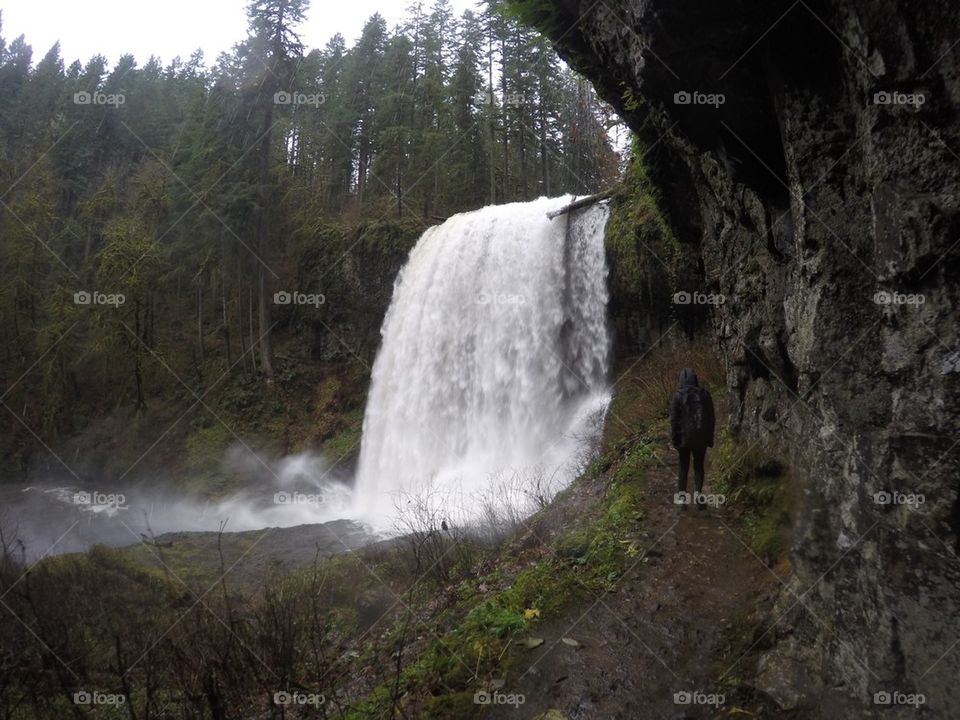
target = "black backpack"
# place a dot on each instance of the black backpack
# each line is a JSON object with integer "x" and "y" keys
{"x": 692, "y": 417}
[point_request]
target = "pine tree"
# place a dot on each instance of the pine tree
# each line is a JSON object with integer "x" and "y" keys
{"x": 272, "y": 49}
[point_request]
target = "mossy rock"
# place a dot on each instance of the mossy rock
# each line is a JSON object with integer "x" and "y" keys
{"x": 574, "y": 545}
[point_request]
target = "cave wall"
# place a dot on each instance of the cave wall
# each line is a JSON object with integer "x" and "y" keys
{"x": 821, "y": 197}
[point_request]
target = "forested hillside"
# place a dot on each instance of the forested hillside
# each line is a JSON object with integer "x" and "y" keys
{"x": 151, "y": 212}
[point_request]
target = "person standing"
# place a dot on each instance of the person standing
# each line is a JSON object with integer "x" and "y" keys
{"x": 691, "y": 426}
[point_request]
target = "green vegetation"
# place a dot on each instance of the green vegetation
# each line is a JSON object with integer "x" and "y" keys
{"x": 371, "y": 630}
{"x": 638, "y": 222}
{"x": 548, "y": 17}
{"x": 484, "y": 634}
{"x": 757, "y": 484}
{"x": 760, "y": 490}
{"x": 346, "y": 443}
{"x": 206, "y": 446}
{"x": 643, "y": 253}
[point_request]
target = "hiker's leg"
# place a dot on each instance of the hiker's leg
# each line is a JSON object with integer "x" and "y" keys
{"x": 684, "y": 469}
{"x": 698, "y": 457}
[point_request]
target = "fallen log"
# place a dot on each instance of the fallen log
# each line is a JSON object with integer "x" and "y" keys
{"x": 581, "y": 203}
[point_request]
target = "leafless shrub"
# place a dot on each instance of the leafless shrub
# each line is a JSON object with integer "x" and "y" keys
{"x": 432, "y": 531}
{"x": 513, "y": 496}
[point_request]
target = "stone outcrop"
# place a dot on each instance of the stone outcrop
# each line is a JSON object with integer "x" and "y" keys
{"x": 808, "y": 155}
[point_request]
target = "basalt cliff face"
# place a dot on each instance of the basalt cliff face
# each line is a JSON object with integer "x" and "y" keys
{"x": 808, "y": 156}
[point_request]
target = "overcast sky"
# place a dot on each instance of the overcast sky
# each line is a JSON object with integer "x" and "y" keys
{"x": 174, "y": 27}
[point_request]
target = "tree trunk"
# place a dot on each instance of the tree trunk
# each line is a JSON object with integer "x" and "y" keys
{"x": 226, "y": 320}
{"x": 490, "y": 121}
{"x": 580, "y": 204}
{"x": 243, "y": 348}
{"x": 544, "y": 165}
{"x": 263, "y": 284}
{"x": 506, "y": 122}
{"x": 399, "y": 189}
{"x": 138, "y": 356}
{"x": 253, "y": 332}
{"x": 200, "y": 320}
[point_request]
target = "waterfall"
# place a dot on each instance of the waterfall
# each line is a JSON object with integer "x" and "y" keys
{"x": 490, "y": 382}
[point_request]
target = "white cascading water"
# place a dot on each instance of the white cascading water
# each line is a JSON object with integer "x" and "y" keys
{"x": 490, "y": 383}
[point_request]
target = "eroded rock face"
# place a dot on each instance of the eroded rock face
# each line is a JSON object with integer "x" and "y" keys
{"x": 809, "y": 157}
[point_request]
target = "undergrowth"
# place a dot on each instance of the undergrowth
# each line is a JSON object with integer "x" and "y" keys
{"x": 756, "y": 484}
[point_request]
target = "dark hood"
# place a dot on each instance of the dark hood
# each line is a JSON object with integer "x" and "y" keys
{"x": 688, "y": 378}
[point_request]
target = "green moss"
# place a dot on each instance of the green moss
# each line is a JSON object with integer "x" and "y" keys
{"x": 626, "y": 398}
{"x": 639, "y": 238}
{"x": 633, "y": 463}
{"x": 206, "y": 446}
{"x": 573, "y": 545}
{"x": 767, "y": 533}
{"x": 755, "y": 483}
{"x": 491, "y": 619}
{"x": 611, "y": 549}
{"x": 631, "y": 101}
{"x": 643, "y": 253}
{"x": 599, "y": 465}
{"x": 346, "y": 443}
{"x": 328, "y": 391}
{"x": 547, "y": 587}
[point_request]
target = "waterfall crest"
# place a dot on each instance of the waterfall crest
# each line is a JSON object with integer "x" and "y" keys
{"x": 490, "y": 381}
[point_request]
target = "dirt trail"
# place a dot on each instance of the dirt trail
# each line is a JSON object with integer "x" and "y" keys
{"x": 660, "y": 631}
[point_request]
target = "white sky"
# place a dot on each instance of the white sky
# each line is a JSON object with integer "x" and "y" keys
{"x": 168, "y": 28}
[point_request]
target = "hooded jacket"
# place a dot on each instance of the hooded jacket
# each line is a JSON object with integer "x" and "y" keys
{"x": 679, "y": 407}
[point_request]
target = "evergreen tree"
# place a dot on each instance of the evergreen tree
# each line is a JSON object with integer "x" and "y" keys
{"x": 175, "y": 183}
{"x": 272, "y": 49}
